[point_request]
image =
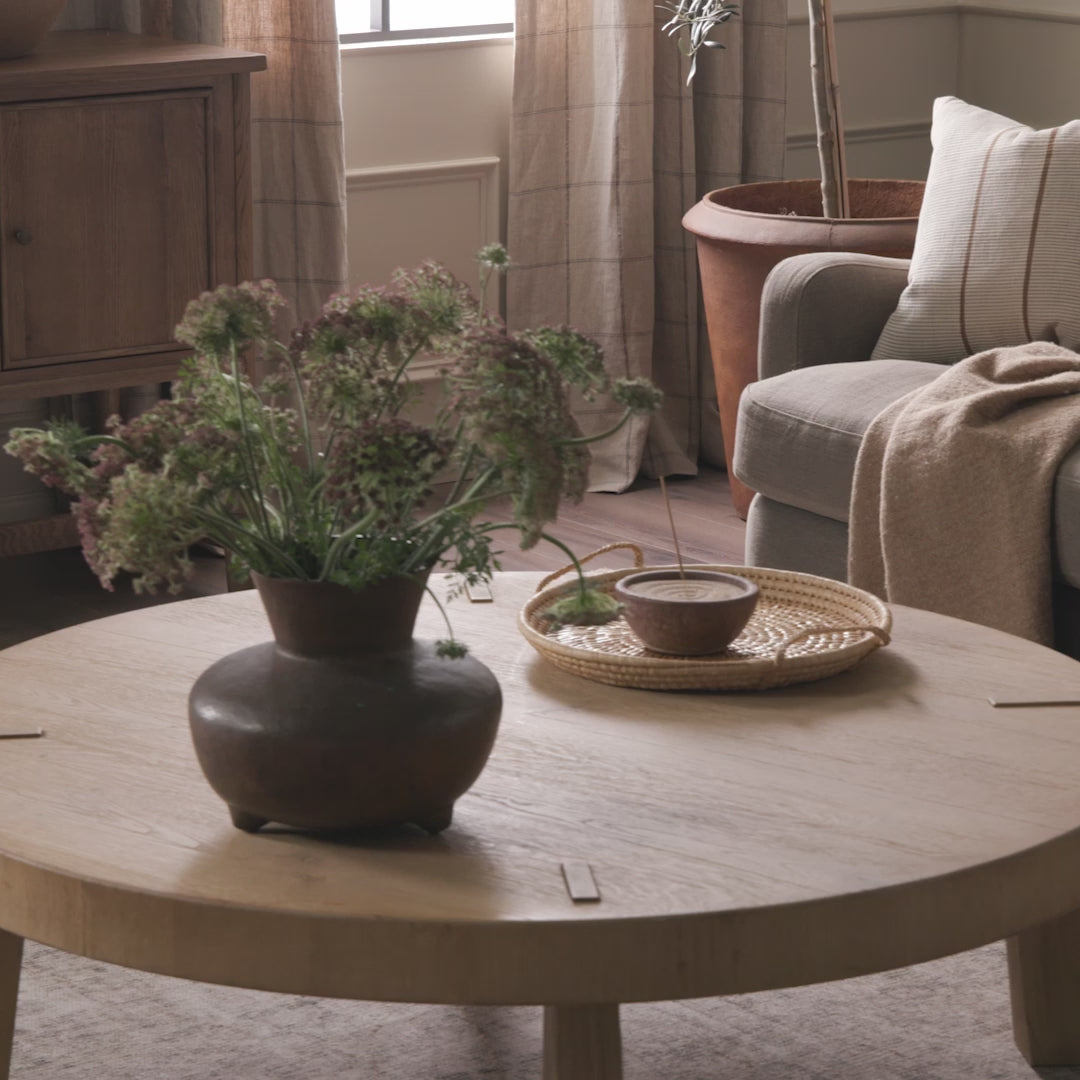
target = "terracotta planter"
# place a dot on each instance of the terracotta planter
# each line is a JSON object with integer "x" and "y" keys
{"x": 344, "y": 721}
{"x": 744, "y": 231}
{"x": 23, "y": 23}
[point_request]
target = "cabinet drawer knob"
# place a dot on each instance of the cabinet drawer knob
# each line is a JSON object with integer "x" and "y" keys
{"x": 23, "y": 236}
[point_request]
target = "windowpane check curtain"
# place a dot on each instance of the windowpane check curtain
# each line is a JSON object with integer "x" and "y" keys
{"x": 609, "y": 148}
{"x": 298, "y": 150}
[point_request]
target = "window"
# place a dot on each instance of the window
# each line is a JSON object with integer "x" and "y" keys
{"x": 388, "y": 20}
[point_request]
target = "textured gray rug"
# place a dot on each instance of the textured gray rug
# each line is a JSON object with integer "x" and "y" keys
{"x": 947, "y": 1020}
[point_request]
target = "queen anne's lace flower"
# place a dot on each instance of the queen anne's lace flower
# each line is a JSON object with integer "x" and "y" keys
{"x": 319, "y": 474}
{"x": 232, "y": 316}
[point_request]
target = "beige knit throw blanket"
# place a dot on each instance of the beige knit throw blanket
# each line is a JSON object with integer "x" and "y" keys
{"x": 951, "y": 506}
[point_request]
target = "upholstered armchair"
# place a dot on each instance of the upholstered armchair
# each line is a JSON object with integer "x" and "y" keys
{"x": 800, "y": 426}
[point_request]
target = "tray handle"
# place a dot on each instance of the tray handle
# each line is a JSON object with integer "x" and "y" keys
{"x": 639, "y": 560}
{"x": 808, "y": 631}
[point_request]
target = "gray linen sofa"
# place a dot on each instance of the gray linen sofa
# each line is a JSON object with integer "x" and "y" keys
{"x": 800, "y": 426}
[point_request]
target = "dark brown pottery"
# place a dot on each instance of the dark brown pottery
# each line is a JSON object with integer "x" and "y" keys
{"x": 677, "y": 613}
{"x": 344, "y": 721}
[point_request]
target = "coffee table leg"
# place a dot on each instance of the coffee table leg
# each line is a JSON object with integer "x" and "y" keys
{"x": 10, "y": 965}
{"x": 581, "y": 1042}
{"x": 1044, "y": 979}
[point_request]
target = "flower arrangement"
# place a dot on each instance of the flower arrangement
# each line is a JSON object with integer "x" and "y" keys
{"x": 319, "y": 474}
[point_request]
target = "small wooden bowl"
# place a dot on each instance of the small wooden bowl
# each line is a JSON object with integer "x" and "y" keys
{"x": 699, "y": 612}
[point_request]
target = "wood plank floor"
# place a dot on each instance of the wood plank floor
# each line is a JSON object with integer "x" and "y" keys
{"x": 48, "y": 591}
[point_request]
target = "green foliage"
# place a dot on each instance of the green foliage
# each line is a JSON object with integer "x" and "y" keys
{"x": 582, "y": 607}
{"x": 317, "y": 475}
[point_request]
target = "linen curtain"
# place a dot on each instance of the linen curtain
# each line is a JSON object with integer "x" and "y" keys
{"x": 608, "y": 149}
{"x": 298, "y": 154}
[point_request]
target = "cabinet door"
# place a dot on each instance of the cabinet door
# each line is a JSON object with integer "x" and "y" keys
{"x": 104, "y": 224}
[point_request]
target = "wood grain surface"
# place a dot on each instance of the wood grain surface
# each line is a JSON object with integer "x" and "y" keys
{"x": 69, "y": 63}
{"x": 1044, "y": 977}
{"x": 125, "y": 187}
{"x": 11, "y": 948}
{"x": 137, "y": 217}
{"x": 740, "y": 842}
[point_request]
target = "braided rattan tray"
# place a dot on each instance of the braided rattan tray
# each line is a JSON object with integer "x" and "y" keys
{"x": 804, "y": 628}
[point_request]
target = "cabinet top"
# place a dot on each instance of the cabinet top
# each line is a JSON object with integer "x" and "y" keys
{"x": 79, "y": 58}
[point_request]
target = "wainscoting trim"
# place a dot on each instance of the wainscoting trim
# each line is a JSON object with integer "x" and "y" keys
{"x": 1009, "y": 9}
{"x": 916, "y": 129}
{"x": 1017, "y": 11}
{"x": 485, "y": 170}
{"x": 798, "y": 15}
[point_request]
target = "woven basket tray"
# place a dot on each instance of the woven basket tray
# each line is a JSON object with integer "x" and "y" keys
{"x": 803, "y": 628}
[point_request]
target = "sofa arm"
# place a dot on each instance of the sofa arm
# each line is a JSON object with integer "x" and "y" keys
{"x": 826, "y": 308}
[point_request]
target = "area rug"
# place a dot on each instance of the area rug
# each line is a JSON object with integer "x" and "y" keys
{"x": 83, "y": 1020}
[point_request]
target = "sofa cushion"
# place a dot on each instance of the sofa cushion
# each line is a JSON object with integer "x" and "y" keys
{"x": 1067, "y": 518}
{"x": 997, "y": 252}
{"x": 798, "y": 434}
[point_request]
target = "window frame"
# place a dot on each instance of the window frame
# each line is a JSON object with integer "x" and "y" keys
{"x": 381, "y": 29}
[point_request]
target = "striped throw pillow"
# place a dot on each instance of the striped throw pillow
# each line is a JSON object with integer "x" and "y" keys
{"x": 997, "y": 252}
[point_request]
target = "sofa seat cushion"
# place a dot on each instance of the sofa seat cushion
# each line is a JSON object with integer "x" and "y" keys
{"x": 798, "y": 434}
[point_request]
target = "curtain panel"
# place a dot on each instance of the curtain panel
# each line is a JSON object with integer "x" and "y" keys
{"x": 609, "y": 148}
{"x": 298, "y": 152}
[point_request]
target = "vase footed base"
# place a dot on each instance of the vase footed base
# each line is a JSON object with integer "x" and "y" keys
{"x": 248, "y": 822}
{"x": 432, "y": 823}
{"x": 436, "y": 821}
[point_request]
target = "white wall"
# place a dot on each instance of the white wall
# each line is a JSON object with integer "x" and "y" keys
{"x": 1020, "y": 59}
{"x": 427, "y": 126}
{"x": 426, "y": 141}
{"x": 892, "y": 64}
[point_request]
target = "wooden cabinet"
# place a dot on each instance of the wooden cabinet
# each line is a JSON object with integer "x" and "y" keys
{"x": 125, "y": 190}
{"x": 104, "y": 210}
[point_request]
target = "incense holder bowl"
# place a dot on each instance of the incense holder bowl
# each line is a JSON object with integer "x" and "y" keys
{"x": 688, "y": 613}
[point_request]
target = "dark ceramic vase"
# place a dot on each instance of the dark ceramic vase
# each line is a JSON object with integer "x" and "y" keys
{"x": 344, "y": 721}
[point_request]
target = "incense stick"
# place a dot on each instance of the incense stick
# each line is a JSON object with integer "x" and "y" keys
{"x": 671, "y": 520}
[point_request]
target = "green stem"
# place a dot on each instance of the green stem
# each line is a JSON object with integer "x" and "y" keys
{"x": 442, "y": 611}
{"x": 224, "y": 527}
{"x": 485, "y": 277}
{"x": 585, "y": 439}
{"x": 347, "y": 536}
{"x": 475, "y": 494}
{"x": 252, "y": 464}
{"x": 459, "y": 483}
{"x": 433, "y": 543}
{"x": 572, "y": 557}
{"x": 559, "y": 544}
{"x": 103, "y": 440}
{"x": 397, "y": 376}
{"x": 301, "y": 405}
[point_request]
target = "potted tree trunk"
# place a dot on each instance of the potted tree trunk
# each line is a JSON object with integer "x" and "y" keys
{"x": 744, "y": 231}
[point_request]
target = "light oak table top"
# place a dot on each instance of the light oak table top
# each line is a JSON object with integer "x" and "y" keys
{"x": 740, "y": 842}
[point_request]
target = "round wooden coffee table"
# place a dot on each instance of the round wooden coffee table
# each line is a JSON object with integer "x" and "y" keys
{"x": 739, "y": 842}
